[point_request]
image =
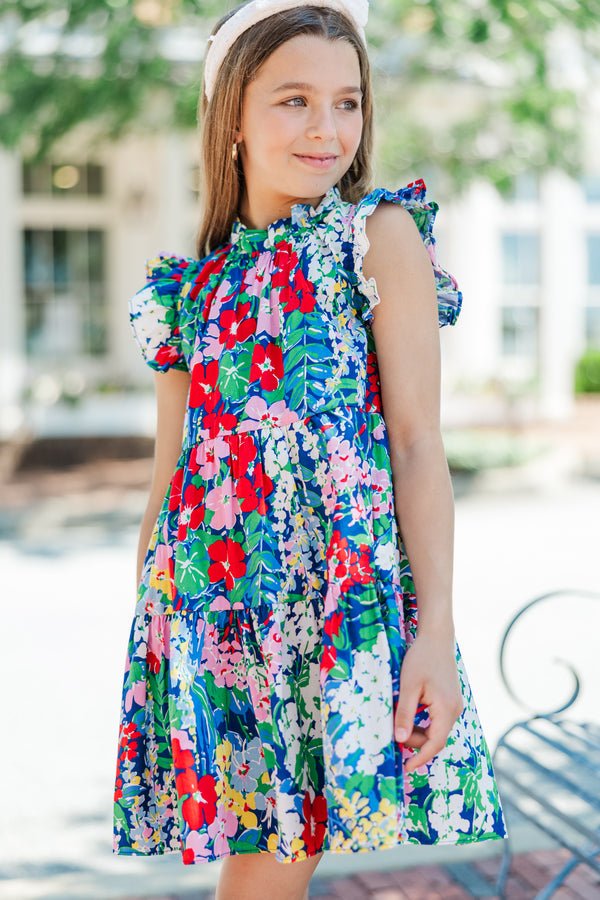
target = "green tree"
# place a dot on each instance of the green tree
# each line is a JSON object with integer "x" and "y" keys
{"x": 467, "y": 88}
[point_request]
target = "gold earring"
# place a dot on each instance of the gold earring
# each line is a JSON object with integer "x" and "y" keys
{"x": 234, "y": 151}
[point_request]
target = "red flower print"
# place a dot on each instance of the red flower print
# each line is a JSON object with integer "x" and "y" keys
{"x": 201, "y": 806}
{"x": 328, "y": 659}
{"x": 251, "y": 492}
{"x": 192, "y": 510}
{"x": 243, "y": 452}
{"x": 332, "y": 624}
{"x": 372, "y": 393}
{"x": 213, "y": 267}
{"x": 216, "y": 422}
{"x": 284, "y": 261}
{"x": 235, "y": 325}
{"x": 305, "y": 290}
{"x": 203, "y": 387}
{"x": 182, "y": 759}
{"x": 267, "y": 366}
{"x": 153, "y": 662}
{"x": 315, "y": 817}
{"x": 349, "y": 567}
{"x": 128, "y": 741}
{"x": 175, "y": 494}
{"x": 359, "y": 569}
{"x": 167, "y": 353}
{"x": 229, "y": 562}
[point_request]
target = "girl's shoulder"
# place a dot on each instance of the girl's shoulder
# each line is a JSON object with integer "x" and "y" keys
{"x": 412, "y": 197}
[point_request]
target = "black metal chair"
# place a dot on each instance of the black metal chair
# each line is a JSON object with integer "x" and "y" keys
{"x": 548, "y": 769}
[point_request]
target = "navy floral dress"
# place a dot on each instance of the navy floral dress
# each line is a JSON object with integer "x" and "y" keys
{"x": 276, "y": 601}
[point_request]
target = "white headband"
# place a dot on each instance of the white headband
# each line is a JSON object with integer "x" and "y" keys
{"x": 220, "y": 43}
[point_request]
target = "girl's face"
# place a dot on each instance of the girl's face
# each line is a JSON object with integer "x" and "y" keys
{"x": 280, "y": 125}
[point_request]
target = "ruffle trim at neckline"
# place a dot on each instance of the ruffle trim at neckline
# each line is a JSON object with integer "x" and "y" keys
{"x": 303, "y": 215}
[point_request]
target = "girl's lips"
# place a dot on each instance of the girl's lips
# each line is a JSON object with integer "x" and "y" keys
{"x": 317, "y": 163}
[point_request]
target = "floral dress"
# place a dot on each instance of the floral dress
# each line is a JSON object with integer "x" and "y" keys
{"x": 276, "y": 601}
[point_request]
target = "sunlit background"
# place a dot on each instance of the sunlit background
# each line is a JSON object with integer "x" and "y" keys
{"x": 497, "y": 106}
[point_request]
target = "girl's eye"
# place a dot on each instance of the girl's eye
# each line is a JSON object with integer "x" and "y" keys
{"x": 353, "y": 103}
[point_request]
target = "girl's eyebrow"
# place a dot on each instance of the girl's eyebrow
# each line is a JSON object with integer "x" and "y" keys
{"x": 303, "y": 86}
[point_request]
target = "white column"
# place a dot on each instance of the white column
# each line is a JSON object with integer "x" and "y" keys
{"x": 563, "y": 281}
{"x": 13, "y": 362}
{"x": 471, "y": 347}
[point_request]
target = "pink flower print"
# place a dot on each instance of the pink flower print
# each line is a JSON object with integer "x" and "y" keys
{"x": 206, "y": 457}
{"x": 136, "y": 694}
{"x": 344, "y": 461}
{"x": 358, "y": 508}
{"x": 261, "y": 702}
{"x": 223, "y": 659}
{"x": 223, "y": 503}
{"x": 197, "y": 843}
{"x": 276, "y": 414}
{"x": 431, "y": 249}
{"x": 271, "y": 651}
{"x": 212, "y": 347}
{"x": 224, "y": 827}
{"x": 159, "y": 633}
{"x": 163, "y": 554}
{"x": 185, "y": 741}
{"x": 258, "y": 276}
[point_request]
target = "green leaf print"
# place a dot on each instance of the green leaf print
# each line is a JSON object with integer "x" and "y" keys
{"x": 242, "y": 847}
{"x": 314, "y": 749}
{"x": 121, "y": 819}
{"x": 364, "y": 784}
{"x": 418, "y": 818}
{"x": 234, "y": 369}
{"x": 469, "y": 785}
{"x": 251, "y": 836}
{"x": 388, "y": 789}
{"x": 135, "y": 672}
{"x": 192, "y": 563}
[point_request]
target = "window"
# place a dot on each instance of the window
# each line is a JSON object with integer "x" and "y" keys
{"x": 593, "y": 257}
{"x": 520, "y": 258}
{"x": 526, "y": 188}
{"x": 592, "y": 326}
{"x": 65, "y": 293}
{"x": 520, "y": 331}
{"x": 591, "y": 188}
{"x": 592, "y": 311}
{"x": 520, "y": 305}
{"x": 63, "y": 179}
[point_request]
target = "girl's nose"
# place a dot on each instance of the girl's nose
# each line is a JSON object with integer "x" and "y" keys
{"x": 322, "y": 124}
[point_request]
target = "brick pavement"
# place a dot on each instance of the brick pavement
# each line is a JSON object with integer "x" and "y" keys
{"x": 529, "y": 872}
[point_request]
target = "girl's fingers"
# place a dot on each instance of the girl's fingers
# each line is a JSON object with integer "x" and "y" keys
{"x": 435, "y": 740}
{"x": 416, "y": 738}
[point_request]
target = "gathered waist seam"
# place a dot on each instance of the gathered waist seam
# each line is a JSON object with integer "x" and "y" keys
{"x": 202, "y": 435}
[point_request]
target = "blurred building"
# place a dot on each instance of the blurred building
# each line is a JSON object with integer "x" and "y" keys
{"x": 75, "y": 234}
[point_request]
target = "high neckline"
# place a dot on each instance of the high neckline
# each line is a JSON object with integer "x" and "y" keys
{"x": 301, "y": 215}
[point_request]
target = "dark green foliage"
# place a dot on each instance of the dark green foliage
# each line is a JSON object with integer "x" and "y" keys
{"x": 587, "y": 372}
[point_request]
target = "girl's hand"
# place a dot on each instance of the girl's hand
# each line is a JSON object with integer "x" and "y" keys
{"x": 429, "y": 677}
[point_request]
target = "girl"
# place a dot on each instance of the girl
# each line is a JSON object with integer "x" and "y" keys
{"x": 292, "y": 684}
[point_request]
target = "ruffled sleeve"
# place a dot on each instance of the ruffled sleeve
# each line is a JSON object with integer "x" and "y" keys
{"x": 154, "y": 313}
{"x": 412, "y": 198}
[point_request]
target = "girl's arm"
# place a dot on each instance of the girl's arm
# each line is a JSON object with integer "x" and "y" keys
{"x": 171, "y": 401}
{"x": 406, "y": 332}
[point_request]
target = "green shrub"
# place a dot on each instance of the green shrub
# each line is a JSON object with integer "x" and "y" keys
{"x": 587, "y": 372}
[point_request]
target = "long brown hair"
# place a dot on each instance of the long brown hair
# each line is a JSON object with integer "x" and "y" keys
{"x": 221, "y": 177}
